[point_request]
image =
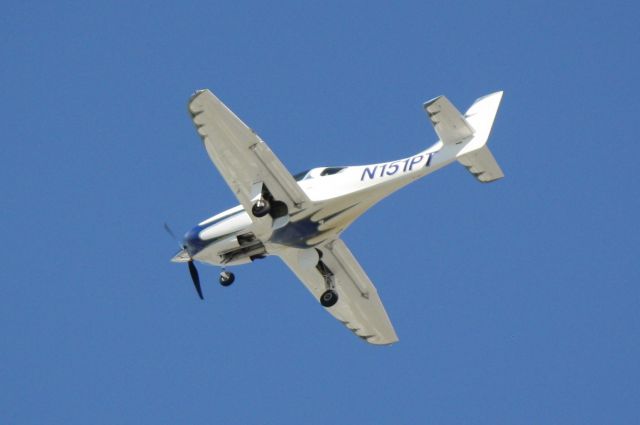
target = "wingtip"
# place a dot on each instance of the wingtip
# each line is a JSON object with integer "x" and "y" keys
{"x": 428, "y": 103}
{"x": 198, "y": 92}
{"x": 385, "y": 343}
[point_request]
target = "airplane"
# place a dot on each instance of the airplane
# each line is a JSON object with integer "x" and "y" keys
{"x": 300, "y": 217}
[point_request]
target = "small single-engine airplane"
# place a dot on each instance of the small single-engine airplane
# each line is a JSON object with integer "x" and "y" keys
{"x": 299, "y": 218}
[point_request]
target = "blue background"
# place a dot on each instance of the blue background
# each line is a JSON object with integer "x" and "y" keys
{"x": 515, "y": 302}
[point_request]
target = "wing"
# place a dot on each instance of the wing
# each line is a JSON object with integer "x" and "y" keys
{"x": 448, "y": 122}
{"x": 359, "y": 308}
{"x": 244, "y": 160}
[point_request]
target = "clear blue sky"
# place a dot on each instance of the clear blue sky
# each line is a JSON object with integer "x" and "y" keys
{"x": 515, "y": 303}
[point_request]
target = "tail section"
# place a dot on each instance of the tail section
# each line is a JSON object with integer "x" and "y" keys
{"x": 465, "y": 137}
{"x": 475, "y": 155}
{"x": 450, "y": 126}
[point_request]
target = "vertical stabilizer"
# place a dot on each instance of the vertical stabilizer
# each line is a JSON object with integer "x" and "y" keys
{"x": 475, "y": 155}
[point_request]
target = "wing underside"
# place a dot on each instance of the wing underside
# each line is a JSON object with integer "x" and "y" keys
{"x": 244, "y": 160}
{"x": 359, "y": 307}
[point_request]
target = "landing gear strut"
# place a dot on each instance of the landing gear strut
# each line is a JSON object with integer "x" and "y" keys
{"x": 329, "y": 297}
{"x": 226, "y": 278}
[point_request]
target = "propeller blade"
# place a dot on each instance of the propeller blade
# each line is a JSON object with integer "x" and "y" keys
{"x": 168, "y": 229}
{"x": 196, "y": 278}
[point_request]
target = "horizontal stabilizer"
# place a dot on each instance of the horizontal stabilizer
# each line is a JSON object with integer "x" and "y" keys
{"x": 482, "y": 165}
{"x": 450, "y": 125}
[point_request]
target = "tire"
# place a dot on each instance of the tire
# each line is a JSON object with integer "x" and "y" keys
{"x": 261, "y": 208}
{"x": 329, "y": 298}
{"x": 227, "y": 278}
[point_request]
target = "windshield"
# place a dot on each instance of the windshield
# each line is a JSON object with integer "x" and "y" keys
{"x": 301, "y": 175}
{"x": 317, "y": 172}
{"x": 331, "y": 170}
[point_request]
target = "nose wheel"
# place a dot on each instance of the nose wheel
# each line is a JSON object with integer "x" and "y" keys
{"x": 226, "y": 278}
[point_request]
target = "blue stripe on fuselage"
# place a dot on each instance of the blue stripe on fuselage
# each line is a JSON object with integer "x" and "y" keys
{"x": 295, "y": 234}
{"x": 192, "y": 240}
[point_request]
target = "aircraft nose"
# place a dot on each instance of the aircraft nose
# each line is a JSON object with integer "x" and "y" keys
{"x": 192, "y": 241}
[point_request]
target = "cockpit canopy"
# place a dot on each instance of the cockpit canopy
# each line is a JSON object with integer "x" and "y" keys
{"x": 317, "y": 172}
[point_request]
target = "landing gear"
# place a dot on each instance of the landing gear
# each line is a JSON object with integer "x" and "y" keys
{"x": 329, "y": 298}
{"x": 261, "y": 208}
{"x": 226, "y": 278}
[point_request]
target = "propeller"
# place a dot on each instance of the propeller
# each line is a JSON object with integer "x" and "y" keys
{"x": 168, "y": 229}
{"x": 192, "y": 267}
{"x": 195, "y": 277}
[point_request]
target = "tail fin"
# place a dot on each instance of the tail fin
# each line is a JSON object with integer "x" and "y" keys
{"x": 475, "y": 155}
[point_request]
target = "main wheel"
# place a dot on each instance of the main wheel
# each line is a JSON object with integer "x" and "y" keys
{"x": 227, "y": 278}
{"x": 329, "y": 298}
{"x": 261, "y": 208}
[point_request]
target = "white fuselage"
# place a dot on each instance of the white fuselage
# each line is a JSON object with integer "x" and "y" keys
{"x": 338, "y": 196}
